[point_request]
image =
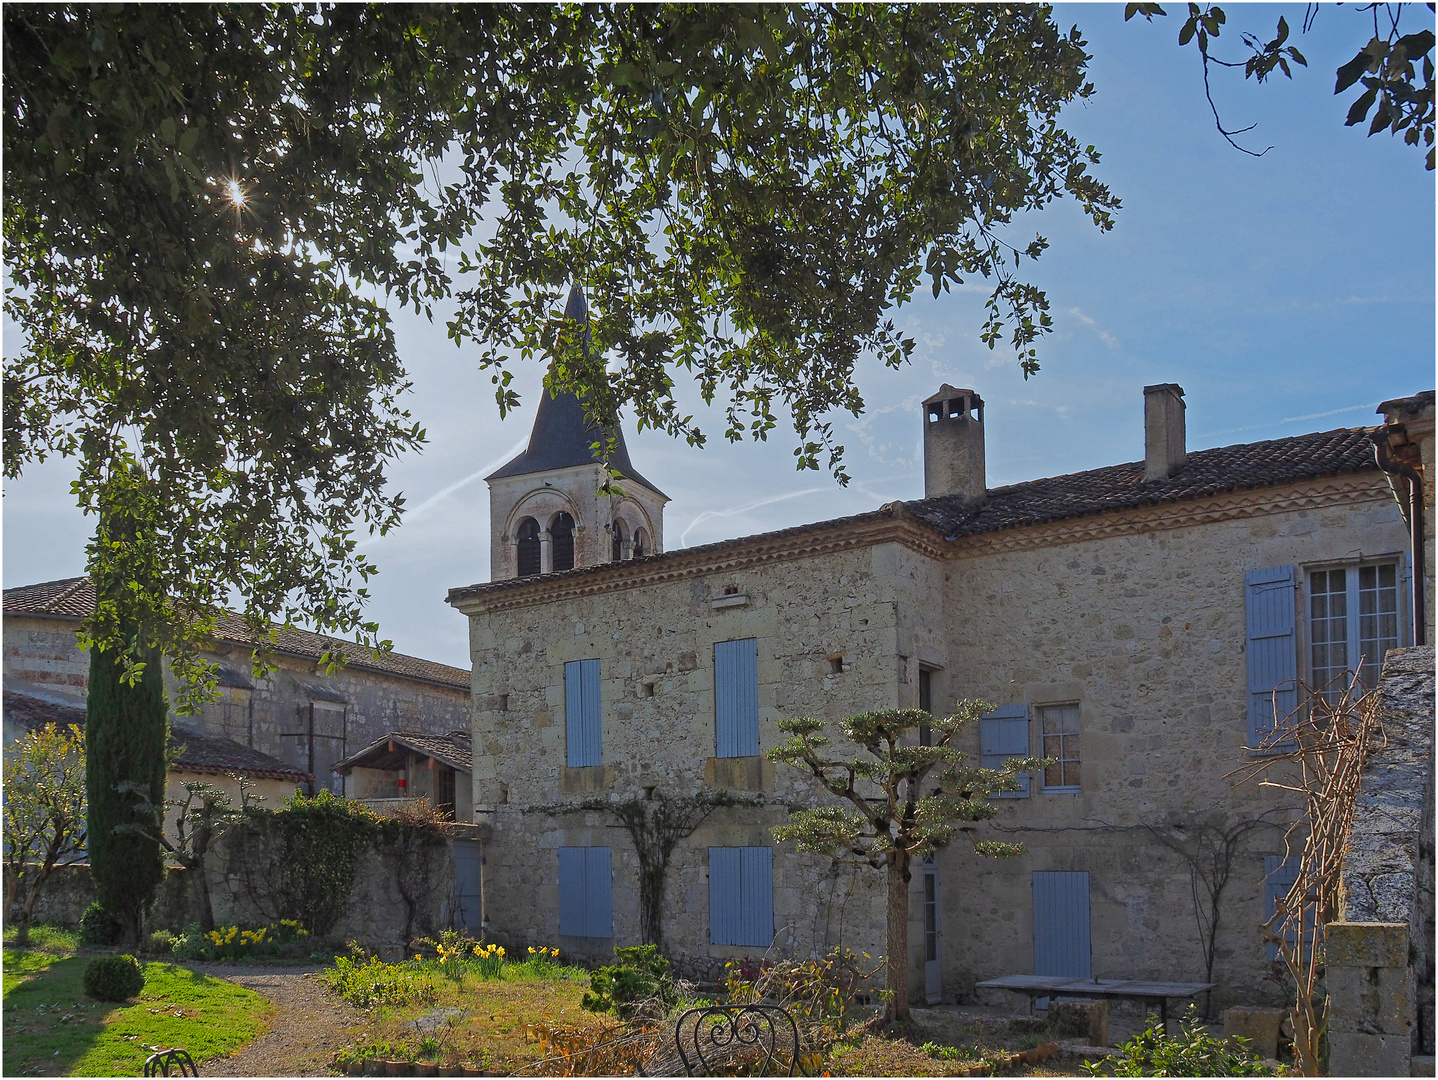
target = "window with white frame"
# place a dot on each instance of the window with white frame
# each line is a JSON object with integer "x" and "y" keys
{"x": 1060, "y": 727}
{"x": 1353, "y": 620}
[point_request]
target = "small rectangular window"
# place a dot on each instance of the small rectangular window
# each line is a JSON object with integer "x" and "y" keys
{"x": 741, "y": 896}
{"x": 581, "y": 713}
{"x": 1060, "y": 726}
{"x": 736, "y": 698}
{"x": 586, "y": 880}
{"x": 1003, "y": 735}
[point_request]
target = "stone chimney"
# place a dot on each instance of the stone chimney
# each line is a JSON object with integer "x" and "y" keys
{"x": 954, "y": 445}
{"x": 1165, "y": 448}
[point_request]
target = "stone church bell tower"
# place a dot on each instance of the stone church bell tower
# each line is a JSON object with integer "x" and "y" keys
{"x": 547, "y": 513}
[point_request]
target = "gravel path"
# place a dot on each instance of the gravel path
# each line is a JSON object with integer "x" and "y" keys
{"x": 305, "y": 1025}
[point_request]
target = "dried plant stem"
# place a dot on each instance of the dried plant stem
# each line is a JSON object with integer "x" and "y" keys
{"x": 1324, "y": 744}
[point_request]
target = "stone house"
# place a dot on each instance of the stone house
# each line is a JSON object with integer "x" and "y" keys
{"x": 1136, "y": 623}
{"x": 307, "y": 719}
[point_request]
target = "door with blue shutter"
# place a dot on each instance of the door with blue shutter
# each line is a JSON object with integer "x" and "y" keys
{"x": 736, "y": 698}
{"x": 586, "y": 907}
{"x": 1272, "y": 650}
{"x": 581, "y": 713}
{"x": 1062, "y": 941}
{"x": 468, "y": 866}
{"x": 741, "y": 896}
{"x": 1004, "y": 734}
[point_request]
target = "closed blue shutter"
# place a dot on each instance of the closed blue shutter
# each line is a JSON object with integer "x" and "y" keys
{"x": 756, "y": 890}
{"x": 598, "y": 893}
{"x": 1061, "y": 924}
{"x": 1272, "y": 650}
{"x": 1279, "y": 874}
{"x": 724, "y": 874}
{"x": 586, "y": 906}
{"x": 736, "y": 698}
{"x": 572, "y": 866}
{"x": 741, "y": 896}
{"x": 1004, "y": 734}
{"x": 581, "y": 713}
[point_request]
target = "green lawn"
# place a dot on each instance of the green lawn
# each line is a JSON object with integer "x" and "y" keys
{"x": 52, "y": 1029}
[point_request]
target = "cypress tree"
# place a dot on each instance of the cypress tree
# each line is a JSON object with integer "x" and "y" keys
{"x": 126, "y": 728}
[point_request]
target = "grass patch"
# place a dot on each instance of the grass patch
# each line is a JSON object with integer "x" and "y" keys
{"x": 52, "y": 1029}
{"x": 46, "y": 938}
{"x": 461, "y": 1008}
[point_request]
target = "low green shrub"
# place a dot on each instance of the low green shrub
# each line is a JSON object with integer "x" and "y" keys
{"x": 99, "y": 927}
{"x": 161, "y": 943}
{"x": 640, "y": 982}
{"x": 191, "y": 944}
{"x": 1192, "y": 1052}
{"x": 373, "y": 982}
{"x": 114, "y": 978}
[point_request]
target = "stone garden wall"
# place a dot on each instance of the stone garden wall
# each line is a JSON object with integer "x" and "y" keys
{"x": 1380, "y": 955}
{"x": 244, "y": 890}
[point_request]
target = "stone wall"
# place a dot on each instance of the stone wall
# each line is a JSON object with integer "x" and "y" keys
{"x": 242, "y": 890}
{"x": 1138, "y": 619}
{"x": 1381, "y": 963}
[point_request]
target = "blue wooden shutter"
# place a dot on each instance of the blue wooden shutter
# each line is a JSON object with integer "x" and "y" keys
{"x": 1004, "y": 734}
{"x": 572, "y": 867}
{"x": 586, "y": 907}
{"x": 581, "y": 713}
{"x": 1272, "y": 650}
{"x": 1062, "y": 943}
{"x": 1279, "y": 874}
{"x": 756, "y": 896}
{"x": 736, "y": 698}
{"x": 598, "y": 893}
{"x": 724, "y": 877}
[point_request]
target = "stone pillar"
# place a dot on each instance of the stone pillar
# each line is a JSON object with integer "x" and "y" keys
{"x": 1370, "y": 1015}
{"x": 546, "y": 553}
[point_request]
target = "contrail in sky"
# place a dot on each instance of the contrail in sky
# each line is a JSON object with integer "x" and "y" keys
{"x": 444, "y": 493}
{"x": 1293, "y": 420}
{"x": 707, "y": 515}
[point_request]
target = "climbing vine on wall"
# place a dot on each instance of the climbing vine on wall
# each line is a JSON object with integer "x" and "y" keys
{"x": 655, "y": 823}
{"x": 323, "y": 837}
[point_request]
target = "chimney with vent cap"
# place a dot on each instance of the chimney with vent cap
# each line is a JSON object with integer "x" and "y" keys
{"x": 954, "y": 445}
{"x": 1165, "y": 448}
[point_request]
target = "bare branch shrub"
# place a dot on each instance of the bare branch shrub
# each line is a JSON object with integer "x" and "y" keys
{"x": 1317, "y": 752}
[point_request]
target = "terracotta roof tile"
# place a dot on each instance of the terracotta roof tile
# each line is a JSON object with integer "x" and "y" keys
{"x": 1122, "y": 487}
{"x": 74, "y": 598}
{"x": 1054, "y": 498}
{"x": 454, "y": 748}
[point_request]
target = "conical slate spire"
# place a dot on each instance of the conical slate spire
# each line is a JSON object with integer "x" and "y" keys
{"x": 560, "y": 437}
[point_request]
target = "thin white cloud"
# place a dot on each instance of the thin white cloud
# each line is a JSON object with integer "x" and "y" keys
{"x": 709, "y": 515}
{"x": 1102, "y": 334}
{"x": 1294, "y": 420}
{"x": 413, "y": 515}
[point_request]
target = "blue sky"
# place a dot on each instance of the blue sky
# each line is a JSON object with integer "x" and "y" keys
{"x": 1286, "y": 293}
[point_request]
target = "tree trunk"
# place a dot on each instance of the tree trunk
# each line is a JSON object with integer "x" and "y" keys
{"x": 897, "y": 937}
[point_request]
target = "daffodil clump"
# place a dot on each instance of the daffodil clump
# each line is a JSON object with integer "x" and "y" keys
{"x": 489, "y": 961}
{"x": 235, "y": 943}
